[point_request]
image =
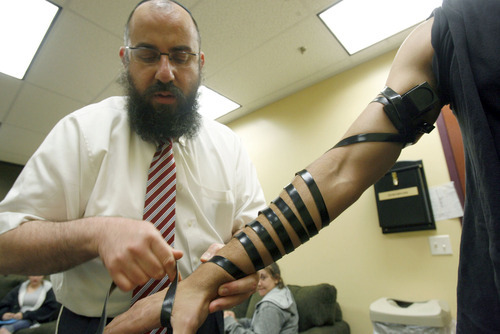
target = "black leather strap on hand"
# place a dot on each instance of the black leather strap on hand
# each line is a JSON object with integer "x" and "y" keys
{"x": 228, "y": 266}
{"x": 251, "y": 250}
{"x": 168, "y": 305}
{"x": 312, "y": 230}
{"x": 266, "y": 239}
{"x": 292, "y": 219}
{"x": 371, "y": 137}
{"x": 279, "y": 228}
{"x": 316, "y": 194}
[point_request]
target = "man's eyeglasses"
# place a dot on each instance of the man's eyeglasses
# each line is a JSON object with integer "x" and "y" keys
{"x": 152, "y": 56}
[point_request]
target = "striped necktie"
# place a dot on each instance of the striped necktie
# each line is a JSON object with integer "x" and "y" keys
{"x": 159, "y": 209}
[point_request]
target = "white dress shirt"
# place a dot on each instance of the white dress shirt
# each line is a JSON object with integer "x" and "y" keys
{"x": 93, "y": 164}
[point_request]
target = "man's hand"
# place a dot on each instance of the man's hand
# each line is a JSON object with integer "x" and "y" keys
{"x": 135, "y": 251}
{"x": 198, "y": 295}
{"x": 229, "y": 314}
{"x": 143, "y": 316}
{"x": 232, "y": 293}
{"x": 192, "y": 303}
{"x": 7, "y": 316}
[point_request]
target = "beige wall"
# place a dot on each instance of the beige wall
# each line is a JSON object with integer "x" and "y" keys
{"x": 352, "y": 253}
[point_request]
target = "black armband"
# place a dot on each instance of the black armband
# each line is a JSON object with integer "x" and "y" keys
{"x": 407, "y": 113}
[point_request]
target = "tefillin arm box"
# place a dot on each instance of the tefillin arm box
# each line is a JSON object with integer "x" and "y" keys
{"x": 403, "y": 202}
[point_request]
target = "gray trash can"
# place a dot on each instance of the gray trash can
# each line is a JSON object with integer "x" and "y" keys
{"x": 392, "y": 316}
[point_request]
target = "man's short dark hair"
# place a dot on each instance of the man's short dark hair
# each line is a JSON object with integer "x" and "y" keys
{"x": 127, "y": 25}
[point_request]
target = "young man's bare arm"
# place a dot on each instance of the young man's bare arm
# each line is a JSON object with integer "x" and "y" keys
{"x": 342, "y": 175}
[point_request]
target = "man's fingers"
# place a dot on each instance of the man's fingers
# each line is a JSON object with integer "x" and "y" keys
{"x": 166, "y": 257}
{"x": 151, "y": 265}
{"x": 122, "y": 282}
{"x": 130, "y": 274}
{"x": 224, "y": 303}
{"x": 241, "y": 286}
{"x": 142, "y": 317}
{"x": 235, "y": 292}
{"x": 210, "y": 252}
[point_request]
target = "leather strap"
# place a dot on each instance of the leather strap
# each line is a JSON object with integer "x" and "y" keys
{"x": 302, "y": 209}
{"x": 292, "y": 219}
{"x": 228, "y": 266}
{"x": 251, "y": 250}
{"x": 280, "y": 229}
{"x": 104, "y": 316}
{"x": 266, "y": 239}
{"x": 168, "y": 305}
{"x": 316, "y": 194}
{"x": 371, "y": 137}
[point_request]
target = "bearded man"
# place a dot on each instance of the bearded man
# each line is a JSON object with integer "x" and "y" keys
{"x": 78, "y": 211}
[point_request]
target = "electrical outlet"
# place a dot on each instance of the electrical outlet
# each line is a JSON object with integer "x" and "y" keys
{"x": 440, "y": 245}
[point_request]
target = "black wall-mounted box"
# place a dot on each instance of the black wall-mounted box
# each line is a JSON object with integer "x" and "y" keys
{"x": 403, "y": 201}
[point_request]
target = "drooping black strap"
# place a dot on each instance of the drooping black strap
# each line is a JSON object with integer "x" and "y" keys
{"x": 292, "y": 219}
{"x": 302, "y": 209}
{"x": 104, "y": 316}
{"x": 168, "y": 305}
{"x": 251, "y": 250}
{"x": 316, "y": 194}
{"x": 280, "y": 229}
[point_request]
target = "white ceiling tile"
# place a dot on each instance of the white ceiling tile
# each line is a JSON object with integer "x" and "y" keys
{"x": 110, "y": 14}
{"x": 18, "y": 144}
{"x": 60, "y": 2}
{"x": 280, "y": 64}
{"x": 14, "y": 158}
{"x": 38, "y": 110}
{"x": 113, "y": 89}
{"x": 242, "y": 26}
{"x": 318, "y": 6}
{"x": 78, "y": 60}
{"x": 9, "y": 88}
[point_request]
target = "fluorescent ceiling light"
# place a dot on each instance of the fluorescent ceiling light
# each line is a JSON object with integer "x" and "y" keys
{"x": 23, "y": 25}
{"x": 213, "y": 105}
{"x": 358, "y": 24}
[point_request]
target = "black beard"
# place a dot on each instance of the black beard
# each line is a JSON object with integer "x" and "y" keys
{"x": 158, "y": 124}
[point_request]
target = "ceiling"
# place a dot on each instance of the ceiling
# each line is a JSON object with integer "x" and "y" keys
{"x": 253, "y": 56}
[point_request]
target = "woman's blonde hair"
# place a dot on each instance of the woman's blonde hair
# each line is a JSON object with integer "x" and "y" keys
{"x": 275, "y": 272}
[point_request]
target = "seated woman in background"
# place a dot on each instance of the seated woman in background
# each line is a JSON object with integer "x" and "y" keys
{"x": 31, "y": 302}
{"x": 276, "y": 313}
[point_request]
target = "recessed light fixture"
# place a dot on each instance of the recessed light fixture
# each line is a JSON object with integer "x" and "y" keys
{"x": 23, "y": 25}
{"x": 213, "y": 105}
{"x": 358, "y": 24}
